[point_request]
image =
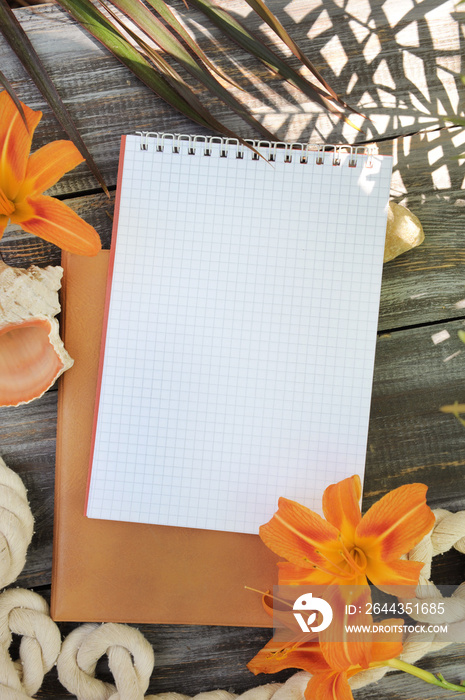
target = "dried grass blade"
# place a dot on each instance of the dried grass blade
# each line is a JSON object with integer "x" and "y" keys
{"x": 238, "y": 33}
{"x": 136, "y": 11}
{"x": 21, "y": 45}
{"x": 273, "y": 22}
{"x": 458, "y": 121}
{"x": 168, "y": 72}
{"x": 173, "y": 77}
{"x": 170, "y": 18}
{"x": 101, "y": 28}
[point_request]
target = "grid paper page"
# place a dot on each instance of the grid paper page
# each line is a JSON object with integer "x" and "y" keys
{"x": 241, "y": 335}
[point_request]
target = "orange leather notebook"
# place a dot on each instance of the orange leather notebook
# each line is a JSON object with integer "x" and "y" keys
{"x": 127, "y": 572}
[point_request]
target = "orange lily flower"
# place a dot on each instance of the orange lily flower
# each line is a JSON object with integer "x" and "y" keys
{"x": 24, "y": 177}
{"x": 346, "y": 548}
{"x": 331, "y": 664}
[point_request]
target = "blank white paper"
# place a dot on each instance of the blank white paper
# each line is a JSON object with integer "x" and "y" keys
{"x": 241, "y": 335}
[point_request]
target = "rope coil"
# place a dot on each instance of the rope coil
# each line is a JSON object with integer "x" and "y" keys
{"x": 131, "y": 661}
{"x": 16, "y": 525}
{"x": 26, "y": 613}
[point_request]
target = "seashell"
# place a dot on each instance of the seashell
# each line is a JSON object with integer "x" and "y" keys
{"x": 403, "y": 231}
{"x": 32, "y": 354}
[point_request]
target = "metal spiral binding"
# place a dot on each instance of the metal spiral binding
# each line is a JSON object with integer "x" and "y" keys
{"x": 290, "y": 151}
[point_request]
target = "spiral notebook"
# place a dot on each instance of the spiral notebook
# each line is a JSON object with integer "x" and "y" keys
{"x": 240, "y": 329}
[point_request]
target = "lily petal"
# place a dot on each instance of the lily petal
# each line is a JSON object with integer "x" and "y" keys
{"x": 273, "y": 658}
{"x": 329, "y": 685}
{"x": 343, "y": 655}
{"x": 382, "y": 650}
{"x": 394, "y": 524}
{"x": 298, "y": 534}
{"x": 344, "y": 649}
{"x": 385, "y": 574}
{"x": 53, "y": 221}
{"x": 341, "y": 506}
{"x": 15, "y": 143}
{"x": 47, "y": 165}
{"x": 280, "y": 610}
{"x": 292, "y": 575}
{"x": 6, "y": 207}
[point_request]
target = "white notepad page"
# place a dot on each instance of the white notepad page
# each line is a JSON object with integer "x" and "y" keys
{"x": 241, "y": 333}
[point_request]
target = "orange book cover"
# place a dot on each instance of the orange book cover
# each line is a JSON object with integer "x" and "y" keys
{"x": 128, "y": 572}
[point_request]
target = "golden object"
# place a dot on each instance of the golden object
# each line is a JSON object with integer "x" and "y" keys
{"x": 32, "y": 354}
{"x": 403, "y": 231}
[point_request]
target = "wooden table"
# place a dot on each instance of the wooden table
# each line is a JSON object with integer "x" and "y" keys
{"x": 399, "y": 62}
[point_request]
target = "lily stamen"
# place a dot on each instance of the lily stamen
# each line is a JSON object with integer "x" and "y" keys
{"x": 349, "y": 558}
{"x": 342, "y": 571}
{"x": 334, "y": 574}
{"x": 269, "y": 595}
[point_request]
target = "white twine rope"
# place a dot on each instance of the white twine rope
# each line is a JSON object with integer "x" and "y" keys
{"x": 26, "y": 614}
{"x": 130, "y": 656}
{"x": 16, "y": 525}
{"x": 22, "y": 612}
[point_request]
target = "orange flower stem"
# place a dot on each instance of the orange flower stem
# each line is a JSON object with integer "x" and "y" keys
{"x": 423, "y": 675}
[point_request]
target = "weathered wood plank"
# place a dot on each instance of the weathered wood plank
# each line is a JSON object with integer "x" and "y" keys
{"x": 192, "y": 659}
{"x": 410, "y": 439}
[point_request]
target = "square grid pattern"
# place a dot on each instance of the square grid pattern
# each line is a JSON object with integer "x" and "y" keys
{"x": 241, "y": 335}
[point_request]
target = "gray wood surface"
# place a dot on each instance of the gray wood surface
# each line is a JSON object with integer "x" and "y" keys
{"x": 399, "y": 63}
